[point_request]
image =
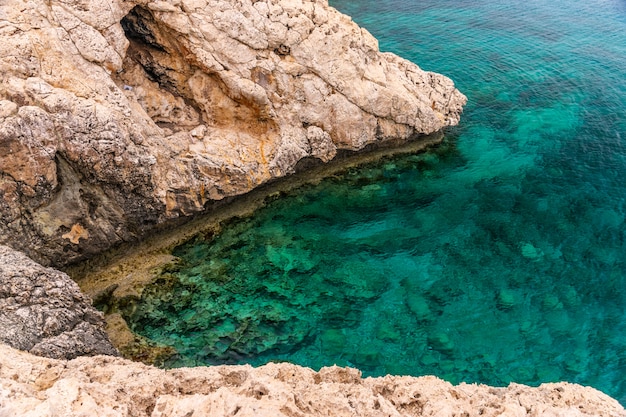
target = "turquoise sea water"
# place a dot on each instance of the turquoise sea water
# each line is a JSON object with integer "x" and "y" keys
{"x": 498, "y": 256}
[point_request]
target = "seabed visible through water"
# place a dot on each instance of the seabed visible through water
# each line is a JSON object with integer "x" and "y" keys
{"x": 497, "y": 256}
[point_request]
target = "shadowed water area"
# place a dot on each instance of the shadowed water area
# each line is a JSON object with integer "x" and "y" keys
{"x": 498, "y": 256}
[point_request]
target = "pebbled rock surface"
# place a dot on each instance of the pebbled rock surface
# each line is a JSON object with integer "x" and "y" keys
{"x": 120, "y": 115}
{"x": 105, "y": 386}
{"x": 43, "y": 311}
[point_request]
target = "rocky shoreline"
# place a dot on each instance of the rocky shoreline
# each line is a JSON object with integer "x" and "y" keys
{"x": 119, "y": 119}
{"x": 107, "y": 386}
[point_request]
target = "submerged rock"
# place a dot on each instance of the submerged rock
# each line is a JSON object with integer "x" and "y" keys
{"x": 117, "y": 116}
{"x": 507, "y": 299}
{"x": 43, "y": 311}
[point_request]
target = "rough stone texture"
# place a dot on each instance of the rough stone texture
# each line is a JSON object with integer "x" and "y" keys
{"x": 43, "y": 311}
{"x": 105, "y": 386}
{"x": 119, "y": 115}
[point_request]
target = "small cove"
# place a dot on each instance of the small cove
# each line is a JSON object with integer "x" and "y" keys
{"x": 498, "y": 256}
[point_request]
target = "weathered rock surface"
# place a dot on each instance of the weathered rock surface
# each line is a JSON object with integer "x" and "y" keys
{"x": 43, "y": 311}
{"x": 119, "y": 115}
{"x": 105, "y": 386}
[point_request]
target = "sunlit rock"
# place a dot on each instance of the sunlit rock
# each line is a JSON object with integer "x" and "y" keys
{"x": 119, "y": 116}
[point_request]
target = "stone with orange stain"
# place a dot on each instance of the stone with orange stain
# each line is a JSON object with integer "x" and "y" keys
{"x": 76, "y": 233}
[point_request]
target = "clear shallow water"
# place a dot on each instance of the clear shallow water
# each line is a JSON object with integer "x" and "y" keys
{"x": 499, "y": 256}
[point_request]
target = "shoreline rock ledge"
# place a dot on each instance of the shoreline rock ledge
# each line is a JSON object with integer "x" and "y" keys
{"x": 103, "y": 386}
{"x": 117, "y": 116}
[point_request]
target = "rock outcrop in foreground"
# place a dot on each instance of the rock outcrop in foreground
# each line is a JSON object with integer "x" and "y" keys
{"x": 119, "y": 115}
{"x": 102, "y": 386}
{"x": 44, "y": 312}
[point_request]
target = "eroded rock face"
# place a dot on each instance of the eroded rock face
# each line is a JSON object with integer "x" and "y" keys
{"x": 116, "y": 116}
{"x": 106, "y": 386}
{"x": 43, "y": 311}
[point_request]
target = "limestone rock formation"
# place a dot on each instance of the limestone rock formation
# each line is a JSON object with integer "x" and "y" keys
{"x": 43, "y": 311}
{"x": 119, "y": 115}
{"x": 104, "y": 386}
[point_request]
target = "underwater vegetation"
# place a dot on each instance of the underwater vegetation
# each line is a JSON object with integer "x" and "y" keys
{"x": 498, "y": 256}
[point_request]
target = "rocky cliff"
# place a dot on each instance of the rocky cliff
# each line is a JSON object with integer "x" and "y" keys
{"x": 106, "y": 386}
{"x": 119, "y": 115}
{"x": 44, "y": 312}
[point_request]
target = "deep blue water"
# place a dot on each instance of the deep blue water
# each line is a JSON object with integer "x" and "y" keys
{"x": 498, "y": 256}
